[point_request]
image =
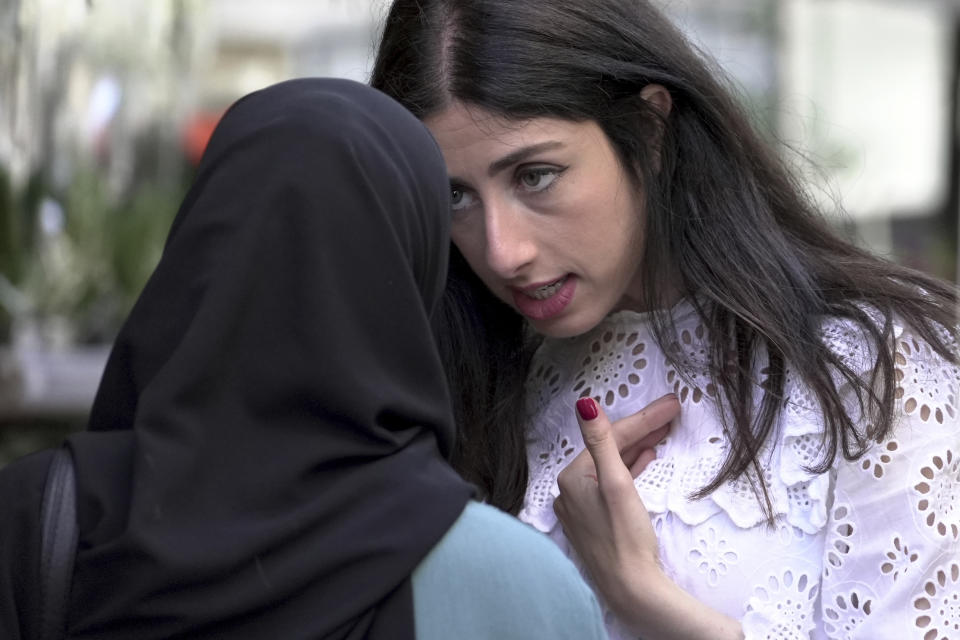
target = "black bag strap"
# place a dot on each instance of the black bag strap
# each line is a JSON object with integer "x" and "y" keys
{"x": 58, "y": 544}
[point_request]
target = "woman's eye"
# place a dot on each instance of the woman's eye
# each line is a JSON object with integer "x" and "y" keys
{"x": 539, "y": 178}
{"x": 460, "y": 198}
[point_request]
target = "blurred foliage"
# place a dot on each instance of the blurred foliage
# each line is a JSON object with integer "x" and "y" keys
{"x": 92, "y": 269}
{"x": 17, "y": 232}
{"x": 10, "y": 248}
{"x": 11, "y": 241}
{"x": 80, "y": 255}
{"x": 139, "y": 236}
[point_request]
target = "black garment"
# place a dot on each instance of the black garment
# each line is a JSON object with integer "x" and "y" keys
{"x": 265, "y": 455}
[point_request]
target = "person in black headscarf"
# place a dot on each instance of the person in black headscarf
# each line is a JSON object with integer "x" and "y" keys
{"x": 266, "y": 454}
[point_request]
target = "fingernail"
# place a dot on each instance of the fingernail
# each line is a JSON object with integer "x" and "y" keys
{"x": 587, "y": 408}
{"x": 665, "y": 397}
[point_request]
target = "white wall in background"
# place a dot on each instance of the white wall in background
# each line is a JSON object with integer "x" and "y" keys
{"x": 864, "y": 92}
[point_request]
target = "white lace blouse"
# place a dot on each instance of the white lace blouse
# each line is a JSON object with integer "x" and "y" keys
{"x": 870, "y": 549}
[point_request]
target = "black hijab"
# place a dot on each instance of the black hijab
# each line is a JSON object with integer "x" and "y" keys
{"x": 265, "y": 455}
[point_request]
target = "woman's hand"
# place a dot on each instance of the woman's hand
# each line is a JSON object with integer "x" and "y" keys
{"x": 637, "y": 434}
{"x": 607, "y": 523}
{"x": 602, "y": 515}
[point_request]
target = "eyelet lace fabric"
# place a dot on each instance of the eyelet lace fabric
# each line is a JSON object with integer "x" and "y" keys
{"x": 869, "y": 549}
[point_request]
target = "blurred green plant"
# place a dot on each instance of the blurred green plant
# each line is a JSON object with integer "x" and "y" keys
{"x": 10, "y": 250}
{"x": 80, "y": 256}
{"x": 11, "y": 244}
{"x": 17, "y": 226}
{"x": 92, "y": 271}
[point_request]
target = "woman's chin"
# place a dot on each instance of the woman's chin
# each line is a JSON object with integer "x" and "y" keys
{"x": 566, "y": 326}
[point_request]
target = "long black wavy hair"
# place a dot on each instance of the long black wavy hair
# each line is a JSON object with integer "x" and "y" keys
{"x": 725, "y": 219}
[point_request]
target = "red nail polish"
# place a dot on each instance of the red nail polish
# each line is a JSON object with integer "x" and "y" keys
{"x": 587, "y": 408}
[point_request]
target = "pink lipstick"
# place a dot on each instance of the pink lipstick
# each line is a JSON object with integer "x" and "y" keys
{"x": 546, "y": 300}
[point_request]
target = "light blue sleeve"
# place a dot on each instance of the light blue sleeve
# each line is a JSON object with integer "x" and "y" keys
{"x": 493, "y": 577}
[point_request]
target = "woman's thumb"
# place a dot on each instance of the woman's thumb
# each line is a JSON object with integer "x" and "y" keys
{"x": 599, "y": 439}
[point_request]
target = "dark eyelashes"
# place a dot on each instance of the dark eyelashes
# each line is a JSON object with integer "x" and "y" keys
{"x": 518, "y": 179}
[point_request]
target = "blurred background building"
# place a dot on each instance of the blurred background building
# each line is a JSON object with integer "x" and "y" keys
{"x": 106, "y": 105}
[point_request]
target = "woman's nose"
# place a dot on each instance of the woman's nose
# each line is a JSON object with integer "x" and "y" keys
{"x": 510, "y": 237}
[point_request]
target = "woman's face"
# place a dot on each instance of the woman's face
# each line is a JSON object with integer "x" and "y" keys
{"x": 544, "y": 213}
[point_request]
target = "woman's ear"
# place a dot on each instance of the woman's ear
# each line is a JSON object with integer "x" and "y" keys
{"x": 659, "y": 98}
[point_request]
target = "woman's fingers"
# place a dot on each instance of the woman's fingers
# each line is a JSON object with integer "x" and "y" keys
{"x": 631, "y": 455}
{"x": 646, "y": 457}
{"x": 642, "y": 431}
{"x": 648, "y": 426}
{"x": 627, "y": 444}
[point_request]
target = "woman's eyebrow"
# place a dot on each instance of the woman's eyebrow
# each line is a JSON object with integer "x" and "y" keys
{"x": 521, "y": 154}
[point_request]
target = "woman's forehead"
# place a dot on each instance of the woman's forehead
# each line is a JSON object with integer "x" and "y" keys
{"x": 468, "y": 133}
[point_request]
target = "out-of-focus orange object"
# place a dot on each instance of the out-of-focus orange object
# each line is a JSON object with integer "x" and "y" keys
{"x": 196, "y": 133}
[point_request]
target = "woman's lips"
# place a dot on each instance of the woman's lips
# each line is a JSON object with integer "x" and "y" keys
{"x": 544, "y": 301}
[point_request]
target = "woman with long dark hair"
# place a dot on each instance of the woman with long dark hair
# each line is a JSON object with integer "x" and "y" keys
{"x": 623, "y": 234}
{"x": 267, "y": 452}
